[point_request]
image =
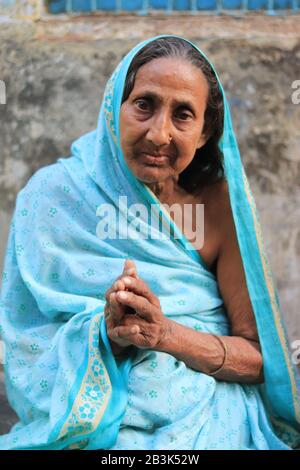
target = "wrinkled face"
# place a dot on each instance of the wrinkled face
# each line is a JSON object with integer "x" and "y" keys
{"x": 168, "y": 100}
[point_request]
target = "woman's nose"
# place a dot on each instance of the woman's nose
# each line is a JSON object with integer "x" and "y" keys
{"x": 159, "y": 132}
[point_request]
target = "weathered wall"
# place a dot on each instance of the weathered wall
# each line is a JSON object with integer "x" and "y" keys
{"x": 55, "y": 72}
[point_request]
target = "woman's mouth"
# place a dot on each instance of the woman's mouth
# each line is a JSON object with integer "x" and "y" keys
{"x": 155, "y": 159}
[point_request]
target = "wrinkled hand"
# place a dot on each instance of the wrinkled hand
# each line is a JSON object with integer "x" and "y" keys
{"x": 114, "y": 311}
{"x": 133, "y": 313}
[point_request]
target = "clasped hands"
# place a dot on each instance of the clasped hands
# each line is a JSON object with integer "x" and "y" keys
{"x": 133, "y": 314}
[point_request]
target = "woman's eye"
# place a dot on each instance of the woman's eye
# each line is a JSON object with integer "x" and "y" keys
{"x": 184, "y": 116}
{"x": 142, "y": 104}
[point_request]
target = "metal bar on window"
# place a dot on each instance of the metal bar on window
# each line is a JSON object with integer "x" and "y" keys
{"x": 219, "y": 7}
{"x": 194, "y": 7}
{"x": 145, "y": 8}
{"x": 244, "y": 6}
{"x": 170, "y": 7}
{"x": 295, "y": 5}
{"x": 69, "y": 6}
{"x": 118, "y": 6}
{"x": 93, "y": 5}
{"x": 270, "y": 9}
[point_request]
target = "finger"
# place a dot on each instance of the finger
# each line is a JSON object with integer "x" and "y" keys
{"x": 130, "y": 268}
{"x": 108, "y": 316}
{"x": 116, "y": 286}
{"x": 125, "y": 332}
{"x": 132, "y": 335}
{"x": 125, "y": 335}
{"x": 130, "y": 320}
{"x": 110, "y": 290}
{"x": 140, "y": 304}
{"x": 106, "y": 310}
{"x": 107, "y": 294}
{"x": 139, "y": 287}
{"x": 116, "y": 309}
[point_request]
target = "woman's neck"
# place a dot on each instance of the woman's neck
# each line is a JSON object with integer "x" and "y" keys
{"x": 166, "y": 191}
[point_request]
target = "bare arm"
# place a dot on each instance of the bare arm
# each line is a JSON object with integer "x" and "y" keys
{"x": 202, "y": 351}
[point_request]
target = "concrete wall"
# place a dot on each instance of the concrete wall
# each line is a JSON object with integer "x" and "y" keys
{"x": 55, "y": 72}
{"x": 22, "y": 9}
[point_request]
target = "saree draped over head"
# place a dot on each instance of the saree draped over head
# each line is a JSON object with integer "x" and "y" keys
{"x": 61, "y": 376}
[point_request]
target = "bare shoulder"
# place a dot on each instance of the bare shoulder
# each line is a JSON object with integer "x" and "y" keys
{"x": 217, "y": 218}
{"x": 218, "y": 209}
{"x": 217, "y": 197}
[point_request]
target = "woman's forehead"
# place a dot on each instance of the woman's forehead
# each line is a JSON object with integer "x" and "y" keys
{"x": 169, "y": 65}
{"x": 173, "y": 74}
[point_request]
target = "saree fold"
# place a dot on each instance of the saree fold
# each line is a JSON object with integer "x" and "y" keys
{"x": 61, "y": 376}
{"x": 53, "y": 352}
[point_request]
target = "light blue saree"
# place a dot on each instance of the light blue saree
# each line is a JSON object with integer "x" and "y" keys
{"x": 61, "y": 377}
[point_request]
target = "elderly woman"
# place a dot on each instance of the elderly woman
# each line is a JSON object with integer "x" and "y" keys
{"x": 122, "y": 331}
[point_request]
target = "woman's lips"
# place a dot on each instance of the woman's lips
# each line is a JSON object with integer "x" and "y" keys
{"x": 156, "y": 160}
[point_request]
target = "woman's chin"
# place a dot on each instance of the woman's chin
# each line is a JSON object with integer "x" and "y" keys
{"x": 151, "y": 174}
